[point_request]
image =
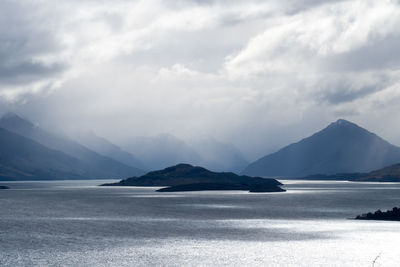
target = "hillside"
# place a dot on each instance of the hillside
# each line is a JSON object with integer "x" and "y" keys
{"x": 25, "y": 159}
{"x": 387, "y": 174}
{"x": 98, "y": 165}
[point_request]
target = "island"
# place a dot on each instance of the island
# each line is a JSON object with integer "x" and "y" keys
{"x": 3, "y": 187}
{"x": 185, "y": 177}
{"x": 389, "y": 215}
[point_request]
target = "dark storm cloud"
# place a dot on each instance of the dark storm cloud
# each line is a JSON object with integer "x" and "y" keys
{"x": 377, "y": 54}
{"x": 346, "y": 94}
{"x": 26, "y": 72}
{"x": 25, "y": 39}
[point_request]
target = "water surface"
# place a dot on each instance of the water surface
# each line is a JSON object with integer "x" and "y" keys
{"x": 76, "y": 223}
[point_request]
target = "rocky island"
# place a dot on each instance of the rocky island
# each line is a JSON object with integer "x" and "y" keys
{"x": 185, "y": 177}
{"x": 389, "y": 215}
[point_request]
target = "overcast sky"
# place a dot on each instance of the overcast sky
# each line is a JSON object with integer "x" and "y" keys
{"x": 259, "y": 74}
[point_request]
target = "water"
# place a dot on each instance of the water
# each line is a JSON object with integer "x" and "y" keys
{"x": 76, "y": 223}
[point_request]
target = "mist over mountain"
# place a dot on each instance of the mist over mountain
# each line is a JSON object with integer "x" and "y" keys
{"x": 98, "y": 165}
{"x": 104, "y": 159}
{"x": 163, "y": 150}
{"x": 220, "y": 156}
{"x": 342, "y": 147}
{"x": 106, "y": 148}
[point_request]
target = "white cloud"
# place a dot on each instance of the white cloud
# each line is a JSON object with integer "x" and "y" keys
{"x": 302, "y": 42}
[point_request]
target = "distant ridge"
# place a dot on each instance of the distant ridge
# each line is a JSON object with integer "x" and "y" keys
{"x": 387, "y": 174}
{"x": 342, "y": 147}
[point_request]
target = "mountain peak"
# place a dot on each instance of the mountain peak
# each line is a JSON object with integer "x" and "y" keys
{"x": 342, "y": 125}
{"x": 343, "y": 122}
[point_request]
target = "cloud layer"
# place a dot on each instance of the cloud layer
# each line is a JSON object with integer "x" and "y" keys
{"x": 259, "y": 74}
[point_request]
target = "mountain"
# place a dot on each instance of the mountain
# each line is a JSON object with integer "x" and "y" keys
{"x": 24, "y": 159}
{"x": 106, "y": 148}
{"x": 99, "y": 166}
{"x": 342, "y": 147}
{"x": 185, "y": 177}
{"x": 163, "y": 150}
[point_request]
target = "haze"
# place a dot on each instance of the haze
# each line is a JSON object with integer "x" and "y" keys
{"x": 259, "y": 74}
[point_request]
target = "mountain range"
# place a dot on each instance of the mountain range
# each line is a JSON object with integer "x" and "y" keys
{"x": 342, "y": 147}
{"x": 88, "y": 156}
{"x": 28, "y": 152}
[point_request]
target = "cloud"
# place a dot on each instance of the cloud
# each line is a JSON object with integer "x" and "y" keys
{"x": 334, "y": 53}
{"x": 317, "y": 36}
{"x": 256, "y": 73}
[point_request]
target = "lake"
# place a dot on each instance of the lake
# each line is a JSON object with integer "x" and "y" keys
{"x": 76, "y": 223}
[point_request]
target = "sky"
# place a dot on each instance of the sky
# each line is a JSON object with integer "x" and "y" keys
{"x": 257, "y": 74}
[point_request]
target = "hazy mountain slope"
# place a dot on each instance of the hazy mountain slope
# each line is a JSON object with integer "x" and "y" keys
{"x": 219, "y": 156}
{"x": 24, "y": 159}
{"x": 164, "y": 150}
{"x": 100, "y": 166}
{"x": 158, "y": 152}
{"x": 106, "y": 148}
{"x": 342, "y": 147}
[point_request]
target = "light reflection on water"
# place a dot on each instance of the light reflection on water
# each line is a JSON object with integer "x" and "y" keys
{"x": 76, "y": 223}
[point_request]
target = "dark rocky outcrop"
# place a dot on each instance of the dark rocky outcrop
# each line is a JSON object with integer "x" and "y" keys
{"x": 3, "y": 187}
{"x": 389, "y": 215}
